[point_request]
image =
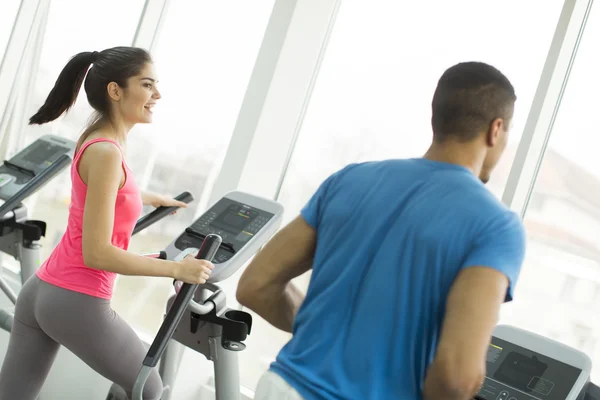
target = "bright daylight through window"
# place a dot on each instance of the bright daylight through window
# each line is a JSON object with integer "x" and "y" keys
{"x": 372, "y": 98}
{"x": 559, "y": 290}
{"x": 8, "y": 12}
{"x": 204, "y": 58}
{"x": 203, "y": 76}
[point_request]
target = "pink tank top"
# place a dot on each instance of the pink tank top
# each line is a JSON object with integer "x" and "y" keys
{"x": 65, "y": 267}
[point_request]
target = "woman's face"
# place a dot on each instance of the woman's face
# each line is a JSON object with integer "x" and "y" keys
{"x": 140, "y": 96}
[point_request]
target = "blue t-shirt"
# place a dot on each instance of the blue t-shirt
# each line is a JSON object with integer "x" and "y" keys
{"x": 391, "y": 238}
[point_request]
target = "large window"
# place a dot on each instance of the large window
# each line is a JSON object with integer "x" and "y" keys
{"x": 559, "y": 290}
{"x": 372, "y": 98}
{"x": 204, "y": 58}
{"x": 85, "y": 29}
{"x": 73, "y": 27}
{"x": 8, "y": 12}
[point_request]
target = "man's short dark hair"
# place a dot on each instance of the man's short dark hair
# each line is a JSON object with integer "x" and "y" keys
{"x": 468, "y": 97}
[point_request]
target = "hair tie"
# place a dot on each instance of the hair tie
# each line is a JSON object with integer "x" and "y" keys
{"x": 94, "y": 56}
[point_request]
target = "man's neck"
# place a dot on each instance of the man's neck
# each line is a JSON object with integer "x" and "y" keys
{"x": 465, "y": 154}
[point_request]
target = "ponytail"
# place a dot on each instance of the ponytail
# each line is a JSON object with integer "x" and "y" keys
{"x": 65, "y": 90}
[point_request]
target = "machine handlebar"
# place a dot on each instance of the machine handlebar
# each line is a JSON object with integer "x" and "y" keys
{"x": 160, "y": 213}
{"x": 207, "y": 251}
{"x": 35, "y": 184}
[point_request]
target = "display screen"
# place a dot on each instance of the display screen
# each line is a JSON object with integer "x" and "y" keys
{"x": 39, "y": 156}
{"x": 235, "y": 218}
{"x": 237, "y": 223}
{"x": 515, "y": 373}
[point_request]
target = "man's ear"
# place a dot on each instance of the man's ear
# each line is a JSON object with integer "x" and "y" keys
{"x": 114, "y": 91}
{"x": 494, "y": 132}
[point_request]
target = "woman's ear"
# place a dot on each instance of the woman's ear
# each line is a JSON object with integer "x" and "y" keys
{"x": 114, "y": 91}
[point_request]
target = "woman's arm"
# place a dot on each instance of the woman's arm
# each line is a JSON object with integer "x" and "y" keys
{"x": 101, "y": 169}
{"x": 145, "y": 197}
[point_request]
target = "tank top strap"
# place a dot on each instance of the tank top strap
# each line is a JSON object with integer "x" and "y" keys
{"x": 85, "y": 146}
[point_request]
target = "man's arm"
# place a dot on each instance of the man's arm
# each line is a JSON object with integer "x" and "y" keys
{"x": 486, "y": 280}
{"x": 265, "y": 287}
{"x": 472, "y": 311}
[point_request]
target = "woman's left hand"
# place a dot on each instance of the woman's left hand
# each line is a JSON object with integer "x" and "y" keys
{"x": 158, "y": 200}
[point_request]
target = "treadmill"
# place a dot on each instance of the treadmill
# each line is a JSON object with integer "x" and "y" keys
{"x": 20, "y": 177}
{"x": 522, "y": 365}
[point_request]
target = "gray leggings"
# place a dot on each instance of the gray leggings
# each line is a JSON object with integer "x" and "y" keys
{"x": 46, "y": 317}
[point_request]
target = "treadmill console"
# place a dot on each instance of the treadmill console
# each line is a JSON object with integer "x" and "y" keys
{"x": 31, "y": 161}
{"x": 524, "y": 366}
{"x": 244, "y": 222}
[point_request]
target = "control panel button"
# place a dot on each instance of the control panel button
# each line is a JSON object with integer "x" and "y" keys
{"x": 503, "y": 395}
{"x": 5, "y": 179}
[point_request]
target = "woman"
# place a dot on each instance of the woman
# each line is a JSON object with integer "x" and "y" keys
{"x": 68, "y": 301}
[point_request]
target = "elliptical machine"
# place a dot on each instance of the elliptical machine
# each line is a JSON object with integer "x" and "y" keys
{"x": 526, "y": 366}
{"x": 197, "y": 317}
{"x": 20, "y": 177}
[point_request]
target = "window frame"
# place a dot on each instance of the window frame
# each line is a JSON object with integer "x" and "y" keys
{"x": 281, "y": 84}
{"x": 546, "y": 103}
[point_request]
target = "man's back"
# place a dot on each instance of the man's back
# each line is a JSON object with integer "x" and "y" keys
{"x": 391, "y": 238}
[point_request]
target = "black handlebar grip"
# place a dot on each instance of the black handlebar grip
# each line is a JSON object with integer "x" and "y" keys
{"x": 207, "y": 251}
{"x": 160, "y": 213}
{"x": 209, "y": 247}
{"x": 35, "y": 184}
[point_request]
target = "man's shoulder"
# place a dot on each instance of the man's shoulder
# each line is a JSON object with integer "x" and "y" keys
{"x": 495, "y": 216}
{"x": 378, "y": 167}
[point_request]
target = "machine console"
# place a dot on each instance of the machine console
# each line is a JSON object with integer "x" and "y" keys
{"x": 244, "y": 222}
{"x": 32, "y": 161}
{"x": 524, "y": 366}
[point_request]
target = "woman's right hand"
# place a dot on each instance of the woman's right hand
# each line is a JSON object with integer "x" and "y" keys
{"x": 192, "y": 270}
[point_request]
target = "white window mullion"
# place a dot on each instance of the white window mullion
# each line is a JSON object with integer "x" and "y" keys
{"x": 146, "y": 36}
{"x": 23, "y": 106}
{"x": 277, "y": 95}
{"x": 22, "y": 39}
{"x": 546, "y": 103}
{"x": 151, "y": 21}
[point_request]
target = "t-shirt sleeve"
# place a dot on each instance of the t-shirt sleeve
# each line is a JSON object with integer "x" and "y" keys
{"x": 501, "y": 246}
{"x": 312, "y": 211}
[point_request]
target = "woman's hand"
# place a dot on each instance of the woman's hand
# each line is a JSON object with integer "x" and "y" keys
{"x": 192, "y": 270}
{"x": 157, "y": 200}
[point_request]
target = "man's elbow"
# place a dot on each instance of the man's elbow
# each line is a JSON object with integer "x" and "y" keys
{"x": 462, "y": 387}
{"x": 454, "y": 380}
{"x": 246, "y": 293}
{"x": 254, "y": 292}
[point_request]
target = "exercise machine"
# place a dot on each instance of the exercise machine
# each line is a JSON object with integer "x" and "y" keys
{"x": 197, "y": 317}
{"x": 20, "y": 177}
{"x": 228, "y": 234}
{"x": 522, "y": 365}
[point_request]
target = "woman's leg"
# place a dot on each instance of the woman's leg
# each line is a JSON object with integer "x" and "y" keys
{"x": 89, "y": 328}
{"x": 30, "y": 352}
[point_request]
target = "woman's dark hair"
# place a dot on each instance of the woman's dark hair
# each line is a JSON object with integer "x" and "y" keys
{"x": 116, "y": 64}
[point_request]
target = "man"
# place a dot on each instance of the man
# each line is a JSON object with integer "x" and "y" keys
{"x": 411, "y": 262}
